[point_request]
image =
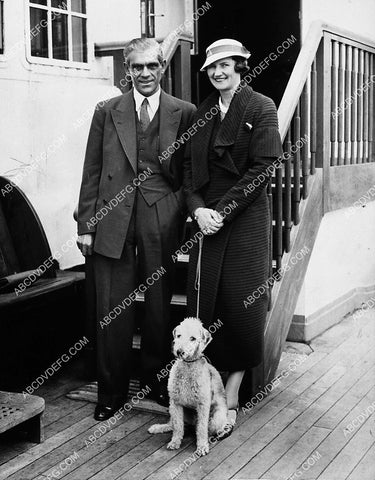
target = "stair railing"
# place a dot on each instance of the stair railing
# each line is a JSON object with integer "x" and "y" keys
{"x": 326, "y": 119}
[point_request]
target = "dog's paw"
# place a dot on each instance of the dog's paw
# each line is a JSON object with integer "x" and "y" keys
{"x": 153, "y": 429}
{"x": 202, "y": 450}
{"x": 174, "y": 445}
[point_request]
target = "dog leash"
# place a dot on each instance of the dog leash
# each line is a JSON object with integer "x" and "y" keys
{"x": 198, "y": 274}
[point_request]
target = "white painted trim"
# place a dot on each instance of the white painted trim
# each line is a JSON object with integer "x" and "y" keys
{"x": 304, "y": 329}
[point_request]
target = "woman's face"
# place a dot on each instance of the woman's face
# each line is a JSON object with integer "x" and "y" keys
{"x": 222, "y": 74}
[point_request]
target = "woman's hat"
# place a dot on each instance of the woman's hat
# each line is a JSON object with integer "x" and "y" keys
{"x": 227, "y": 47}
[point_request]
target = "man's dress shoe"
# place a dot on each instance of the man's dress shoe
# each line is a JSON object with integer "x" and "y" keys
{"x": 103, "y": 412}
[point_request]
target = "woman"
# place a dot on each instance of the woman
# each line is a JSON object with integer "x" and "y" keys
{"x": 226, "y": 196}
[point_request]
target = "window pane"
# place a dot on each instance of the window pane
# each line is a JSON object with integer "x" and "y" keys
{"x": 79, "y": 39}
{"x": 39, "y": 2}
{"x": 79, "y": 6}
{"x": 39, "y": 39}
{"x": 61, "y": 4}
{"x": 60, "y": 37}
{"x": 1, "y": 28}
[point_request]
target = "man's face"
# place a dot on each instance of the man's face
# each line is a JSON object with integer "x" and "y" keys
{"x": 146, "y": 71}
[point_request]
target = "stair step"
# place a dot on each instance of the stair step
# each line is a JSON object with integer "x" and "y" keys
{"x": 177, "y": 299}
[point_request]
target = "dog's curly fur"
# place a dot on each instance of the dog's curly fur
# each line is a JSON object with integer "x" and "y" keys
{"x": 193, "y": 384}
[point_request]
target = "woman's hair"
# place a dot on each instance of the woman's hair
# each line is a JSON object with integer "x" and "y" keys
{"x": 240, "y": 66}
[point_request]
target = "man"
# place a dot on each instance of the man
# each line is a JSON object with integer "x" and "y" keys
{"x": 130, "y": 214}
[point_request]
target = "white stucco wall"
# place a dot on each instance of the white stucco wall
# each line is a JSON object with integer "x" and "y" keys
{"x": 40, "y": 106}
{"x": 357, "y": 16}
{"x": 343, "y": 259}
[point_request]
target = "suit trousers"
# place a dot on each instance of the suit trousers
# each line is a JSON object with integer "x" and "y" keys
{"x": 146, "y": 264}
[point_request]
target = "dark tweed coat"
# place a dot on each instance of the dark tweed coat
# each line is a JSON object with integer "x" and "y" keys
{"x": 235, "y": 261}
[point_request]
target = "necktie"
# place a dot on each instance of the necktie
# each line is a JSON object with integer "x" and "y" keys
{"x": 144, "y": 116}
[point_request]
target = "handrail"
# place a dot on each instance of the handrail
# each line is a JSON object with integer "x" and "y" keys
{"x": 303, "y": 64}
{"x": 170, "y": 43}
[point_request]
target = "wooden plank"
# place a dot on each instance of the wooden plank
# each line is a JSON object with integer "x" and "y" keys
{"x": 14, "y": 447}
{"x": 342, "y": 465}
{"x": 38, "y": 451}
{"x": 249, "y": 435}
{"x": 337, "y": 440}
{"x": 307, "y": 409}
{"x": 343, "y": 407}
{"x": 300, "y": 452}
{"x": 365, "y": 468}
{"x": 42, "y": 287}
{"x": 158, "y": 459}
{"x": 111, "y": 447}
{"x": 77, "y": 444}
{"x": 114, "y": 443}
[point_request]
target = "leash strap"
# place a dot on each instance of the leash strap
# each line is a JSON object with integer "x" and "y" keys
{"x": 198, "y": 274}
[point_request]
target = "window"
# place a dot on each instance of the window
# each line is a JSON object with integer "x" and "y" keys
{"x": 1, "y": 26}
{"x": 58, "y": 29}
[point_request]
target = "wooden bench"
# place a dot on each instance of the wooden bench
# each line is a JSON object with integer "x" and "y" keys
{"x": 16, "y": 409}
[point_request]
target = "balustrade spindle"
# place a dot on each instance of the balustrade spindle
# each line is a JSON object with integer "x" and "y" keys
{"x": 354, "y": 109}
{"x": 359, "y": 95}
{"x": 347, "y": 106}
{"x": 296, "y": 165}
{"x": 313, "y": 113}
{"x": 288, "y": 191}
{"x": 334, "y": 103}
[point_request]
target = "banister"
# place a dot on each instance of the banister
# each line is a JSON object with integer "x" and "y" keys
{"x": 170, "y": 43}
{"x": 303, "y": 64}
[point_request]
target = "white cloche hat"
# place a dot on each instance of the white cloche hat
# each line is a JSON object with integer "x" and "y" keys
{"x": 226, "y": 47}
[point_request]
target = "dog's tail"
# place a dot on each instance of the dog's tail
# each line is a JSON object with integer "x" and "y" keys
{"x": 160, "y": 428}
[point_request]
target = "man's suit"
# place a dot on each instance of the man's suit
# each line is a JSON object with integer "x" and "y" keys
{"x": 135, "y": 223}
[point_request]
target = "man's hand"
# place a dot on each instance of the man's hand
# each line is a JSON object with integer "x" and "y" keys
{"x": 209, "y": 221}
{"x": 85, "y": 243}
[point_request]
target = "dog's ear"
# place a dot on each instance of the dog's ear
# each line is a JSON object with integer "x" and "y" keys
{"x": 174, "y": 332}
{"x": 207, "y": 337}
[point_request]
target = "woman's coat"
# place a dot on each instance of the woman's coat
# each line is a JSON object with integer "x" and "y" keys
{"x": 235, "y": 261}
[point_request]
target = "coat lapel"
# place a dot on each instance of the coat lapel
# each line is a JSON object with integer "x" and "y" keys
{"x": 170, "y": 118}
{"x": 125, "y": 124}
{"x": 201, "y": 142}
{"x": 232, "y": 122}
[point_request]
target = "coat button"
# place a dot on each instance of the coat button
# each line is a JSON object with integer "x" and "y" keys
{"x": 110, "y": 176}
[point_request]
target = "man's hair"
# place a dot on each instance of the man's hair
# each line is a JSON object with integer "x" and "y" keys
{"x": 141, "y": 45}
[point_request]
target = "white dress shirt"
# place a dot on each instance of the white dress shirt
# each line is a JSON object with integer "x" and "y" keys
{"x": 153, "y": 102}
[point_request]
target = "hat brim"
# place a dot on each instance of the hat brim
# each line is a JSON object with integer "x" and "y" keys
{"x": 218, "y": 56}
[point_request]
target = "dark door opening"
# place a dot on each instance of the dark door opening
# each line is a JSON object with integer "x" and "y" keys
{"x": 269, "y": 29}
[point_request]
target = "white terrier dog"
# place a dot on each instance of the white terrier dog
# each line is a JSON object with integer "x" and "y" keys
{"x": 194, "y": 384}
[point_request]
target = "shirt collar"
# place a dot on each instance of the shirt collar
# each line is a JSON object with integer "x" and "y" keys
{"x": 153, "y": 100}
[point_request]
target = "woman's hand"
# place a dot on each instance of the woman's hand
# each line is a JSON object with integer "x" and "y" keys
{"x": 209, "y": 221}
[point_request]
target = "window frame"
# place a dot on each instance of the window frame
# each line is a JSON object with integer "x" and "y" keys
{"x": 2, "y": 27}
{"x": 50, "y": 60}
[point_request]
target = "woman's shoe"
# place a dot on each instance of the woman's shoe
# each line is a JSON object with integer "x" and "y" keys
{"x": 228, "y": 427}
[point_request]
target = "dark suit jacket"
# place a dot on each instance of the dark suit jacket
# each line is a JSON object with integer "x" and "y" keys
{"x": 111, "y": 165}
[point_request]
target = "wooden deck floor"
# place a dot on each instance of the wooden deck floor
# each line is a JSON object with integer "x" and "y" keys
{"x": 318, "y": 423}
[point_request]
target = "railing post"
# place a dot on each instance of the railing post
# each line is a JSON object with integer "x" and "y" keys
{"x": 182, "y": 72}
{"x": 323, "y": 67}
